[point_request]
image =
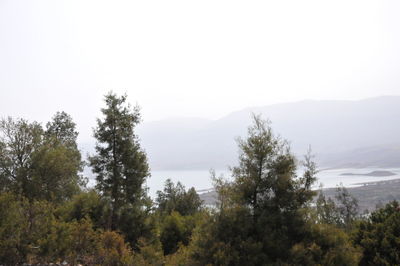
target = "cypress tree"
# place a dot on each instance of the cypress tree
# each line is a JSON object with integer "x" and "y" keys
{"x": 120, "y": 165}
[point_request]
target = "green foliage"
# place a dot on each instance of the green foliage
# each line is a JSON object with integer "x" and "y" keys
{"x": 113, "y": 251}
{"x": 348, "y": 206}
{"x": 343, "y": 213}
{"x": 62, "y": 129}
{"x": 180, "y": 258}
{"x": 265, "y": 179}
{"x": 265, "y": 183}
{"x": 69, "y": 241}
{"x": 40, "y": 164}
{"x": 178, "y": 208}
{"x": 150, "y": 253}
{"x": 120, "y": 165}
{"x": 12, "y": 224}
{"x": 55, "y": 173}
{"x": 326, "y": 245}
{"x": 263, "y": 215}
{"x": 88, "y": 204}
{"x": 22, "y": 225}
{"x": 226, "y": 238}
{"x": 78, "y": 242}
{"x": 327, "y": 211}
{"x": 176, "y": 198}
{"x": 379, "y": 236}
{"x": 134, "y": 222}
{"x": 57, "y": 163}
{"x": 30, "y": 232}
{"x": 176, "y": 230}
{"x": 18, "y": 142}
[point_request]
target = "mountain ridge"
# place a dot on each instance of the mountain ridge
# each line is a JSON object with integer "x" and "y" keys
{"x": 342, "y": 133}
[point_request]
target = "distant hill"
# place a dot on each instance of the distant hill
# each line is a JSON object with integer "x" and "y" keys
{"x": 342, "y": 134}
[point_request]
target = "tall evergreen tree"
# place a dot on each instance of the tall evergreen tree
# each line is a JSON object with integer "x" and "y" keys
{"x": 262, "y": 211}
{"x": 120, "y": 165}
{"x": 266, "y": 179}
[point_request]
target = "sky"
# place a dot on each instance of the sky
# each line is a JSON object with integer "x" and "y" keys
{"x": 192, "y": 58}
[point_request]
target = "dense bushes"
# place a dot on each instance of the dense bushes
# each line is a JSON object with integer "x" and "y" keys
{"x": 31, "y": 232}
{"x": 379, "y": 236}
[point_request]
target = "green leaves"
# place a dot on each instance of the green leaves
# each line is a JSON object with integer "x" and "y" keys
{"x": 263, "y": 217}
{"x": 120, "y": 165}
{"x": 40, "y": 164}
{"x": 176, "y": 198}
{"x": 62, "y": 129}
{"x": 379, "y": 236}
{"x": 121, "y": 168}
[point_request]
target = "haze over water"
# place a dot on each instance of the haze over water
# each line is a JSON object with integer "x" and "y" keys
{"x": 200, "y": 179}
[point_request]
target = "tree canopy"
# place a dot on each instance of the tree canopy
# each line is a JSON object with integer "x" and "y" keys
{"x": 120, "y": 166}
{"x": 40, "y": 164}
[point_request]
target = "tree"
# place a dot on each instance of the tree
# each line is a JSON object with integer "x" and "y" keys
{"x": 87, "y": 204}
{"x": 120, "y": 165}
{"x": 62, "y": 129}
{"x": 57, "y": 163}
{"x": 178, "y": 209}
{"x": 177, "y": 198}
{"x": 19, "y": 140}
{"x": 326, "y": 245}
{"x": 23, "y": 225}
{"x": 262, "y": 211}
{"x": 266, "y": 175}
{"x": 347, "y": 206}
{"x": 327, "y": 211}
{"x": 342, "y": 212}
{"x": 266, "y": 183}
{"x": 40, "y": 164}
{"x": 379, "y": 236}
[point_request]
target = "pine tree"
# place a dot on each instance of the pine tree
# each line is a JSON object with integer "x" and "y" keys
{"x": 262, "y": 211}
{"x": 120, "y": 165}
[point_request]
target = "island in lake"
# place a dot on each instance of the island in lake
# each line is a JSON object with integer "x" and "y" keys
{"x": 373, "y": 173}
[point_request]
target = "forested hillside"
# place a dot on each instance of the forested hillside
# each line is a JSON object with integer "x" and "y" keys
{"x": 264, "y": 215}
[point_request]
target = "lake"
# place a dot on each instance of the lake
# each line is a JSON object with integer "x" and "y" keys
{"x": 200, "y": 179}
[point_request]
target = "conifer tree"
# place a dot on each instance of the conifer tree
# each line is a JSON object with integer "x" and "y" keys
{"x": 262, "y": 210}
{"x": 120, "y": 165}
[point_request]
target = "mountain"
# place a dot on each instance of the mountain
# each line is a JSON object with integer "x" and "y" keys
{"x": 341, "y": 133}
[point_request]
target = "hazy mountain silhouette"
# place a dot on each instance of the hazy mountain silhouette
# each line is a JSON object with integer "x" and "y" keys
{"x": 341, "y": 133}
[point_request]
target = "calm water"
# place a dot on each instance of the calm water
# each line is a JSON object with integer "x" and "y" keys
{"x": 200, "y": 179}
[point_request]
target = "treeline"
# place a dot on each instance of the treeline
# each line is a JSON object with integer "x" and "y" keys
{"x": 265, "y": 214}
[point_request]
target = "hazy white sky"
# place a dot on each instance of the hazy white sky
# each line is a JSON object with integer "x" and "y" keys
{"x": 192, "y": 58}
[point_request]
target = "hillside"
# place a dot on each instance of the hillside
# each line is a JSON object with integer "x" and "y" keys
{"x": 341, "y": 133}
